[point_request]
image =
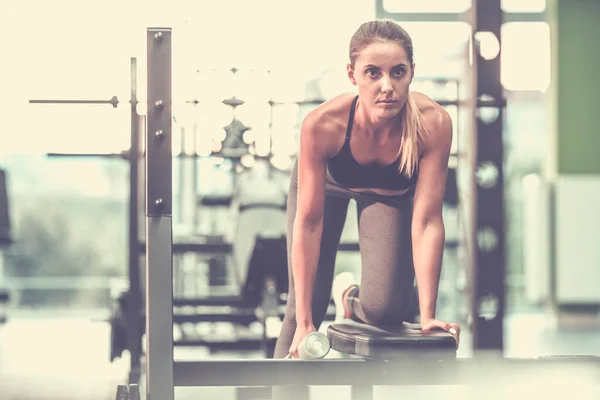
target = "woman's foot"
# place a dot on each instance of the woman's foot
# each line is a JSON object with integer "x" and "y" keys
{"x": 342, "y": 284}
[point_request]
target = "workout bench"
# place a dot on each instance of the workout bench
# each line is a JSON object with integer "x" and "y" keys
{"x": 405, "y": 344}
{"x": 390, "y": 343}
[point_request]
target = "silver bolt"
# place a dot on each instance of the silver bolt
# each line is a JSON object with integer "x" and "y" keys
{"x": 160, "y": 134}
{"x": 487, "y": 175}
{"x": 488, "y": 307}
{"x": 487, "y": 239}
{"x": 159, "y": 201}
{"x": 159, "y": 104}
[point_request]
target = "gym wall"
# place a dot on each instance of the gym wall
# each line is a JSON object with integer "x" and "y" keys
{"x": 574, "y": 165}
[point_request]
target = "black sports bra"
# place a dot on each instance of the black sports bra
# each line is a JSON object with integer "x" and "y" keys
{"x": 346, "y": 171}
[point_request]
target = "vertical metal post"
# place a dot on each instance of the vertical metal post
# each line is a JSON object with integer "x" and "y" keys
{"x": 134, "y": 298}
{"x": 159, "y": 224}
{"x": 361, "y": 392}
{"x": 489, "y": 263}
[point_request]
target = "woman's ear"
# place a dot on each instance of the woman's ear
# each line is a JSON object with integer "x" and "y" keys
{"x": 351, "y": 74}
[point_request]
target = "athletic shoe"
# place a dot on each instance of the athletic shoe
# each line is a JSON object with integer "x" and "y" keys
{"x": 341, "y": 284}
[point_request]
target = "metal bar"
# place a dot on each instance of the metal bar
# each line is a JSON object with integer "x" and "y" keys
{"x": 409, "y": 371}
{"x": 62, "y": 283}
{"x": 209, "y": 248}
{"x": 237, "y": 345}
{"x": 382, "y": 13}
{"x": 349, "y": 246}
{"x": 6, "y": 237}
{"x": 242, "y": 318}
{"x": 488, "y": 288}
{"x": 253, "y": 393}
{"x": 361, "y": 392}
{"x": 211, "y": 301}
{"x": 460, "y": 17}
{"x": 442, "y": 102}
{"x": 159, "y": 224}
{"x": 134, "y": 298}
{"x": 422, "y": 17}
{"x": 123, "y": 155}
{"x": 114, "y": 101}
{"x": 525, "y": 17}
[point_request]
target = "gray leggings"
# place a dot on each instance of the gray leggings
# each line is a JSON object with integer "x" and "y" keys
{"x": 387, "y": 278}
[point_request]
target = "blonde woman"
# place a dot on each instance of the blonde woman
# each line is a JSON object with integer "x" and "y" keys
{"x": 387, "y": 148}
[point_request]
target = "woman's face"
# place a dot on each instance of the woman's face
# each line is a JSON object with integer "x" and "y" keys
{"x": 382, "y": 73}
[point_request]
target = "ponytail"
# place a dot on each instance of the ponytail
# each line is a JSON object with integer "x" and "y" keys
{"x": 413, "y": 133}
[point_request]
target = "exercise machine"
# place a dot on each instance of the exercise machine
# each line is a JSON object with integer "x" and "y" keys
{"x": 5, "y": 238}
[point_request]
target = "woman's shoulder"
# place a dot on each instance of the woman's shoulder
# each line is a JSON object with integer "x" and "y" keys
{"x": 428, "y": 107}
{"x": 333, "y": 111}
{"x": 436, "y": 120}
{"x": 330, "y": 116}
{"x": 433, "y": 114}
{"x": 325, "y": 125}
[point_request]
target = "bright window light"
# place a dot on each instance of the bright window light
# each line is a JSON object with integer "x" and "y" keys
{"x": 526, "y": 56}
{"x": 523, "y": 6}
{"x": 489, "y": 46}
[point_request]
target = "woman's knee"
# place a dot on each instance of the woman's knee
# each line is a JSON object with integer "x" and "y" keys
{"x": 384, "y": 313}
{"x": 373, "y": 314}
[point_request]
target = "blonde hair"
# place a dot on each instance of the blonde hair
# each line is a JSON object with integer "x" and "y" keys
{"x": 413, "y": 130}
{"x": 413, "y": 137}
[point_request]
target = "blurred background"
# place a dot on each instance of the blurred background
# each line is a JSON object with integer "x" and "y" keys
{"x": 245, "y": 73}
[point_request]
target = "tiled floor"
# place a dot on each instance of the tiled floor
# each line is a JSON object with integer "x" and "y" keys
{"x": 63, "y": 359}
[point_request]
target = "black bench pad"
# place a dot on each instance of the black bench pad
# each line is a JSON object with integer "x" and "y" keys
{"x": 389, "y": 343}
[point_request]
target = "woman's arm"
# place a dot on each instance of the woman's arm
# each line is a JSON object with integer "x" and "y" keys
{"x": 428, "y": 232}
{"x": 308, "y": 224}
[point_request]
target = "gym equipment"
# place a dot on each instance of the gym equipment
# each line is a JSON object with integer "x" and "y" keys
{"x": 5, "y": 225}
{"x": 5, "y": 237}
{"x": 481, "y": 173}
{"x": 258, "y": 299}
{"x": 114, "y": 101}
{"x": 314, "y": 346}
{"x": 159, "y": 258}
{"x": 128, "y": 392}
{"x": 125, "y": 319}
{"x": 372, "y": 342}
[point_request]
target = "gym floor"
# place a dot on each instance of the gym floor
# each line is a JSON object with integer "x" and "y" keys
{"x": 62, "y": 358}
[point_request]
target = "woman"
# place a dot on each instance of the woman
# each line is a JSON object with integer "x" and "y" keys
{"x": 387, "y": 148}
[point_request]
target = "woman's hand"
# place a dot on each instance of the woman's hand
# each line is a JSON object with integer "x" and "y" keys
{"x": 432, "y": 324}
{"x": 302, "y": 331}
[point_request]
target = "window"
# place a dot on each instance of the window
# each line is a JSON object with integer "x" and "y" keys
{"x": 526, "y": 56}
{"x": 523, "y": 6}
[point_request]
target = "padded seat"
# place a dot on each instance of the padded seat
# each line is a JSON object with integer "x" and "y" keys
{"x": 408, "y": 340}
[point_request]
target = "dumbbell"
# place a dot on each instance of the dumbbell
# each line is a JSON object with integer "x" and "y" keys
{"x": 313, "y": 347}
